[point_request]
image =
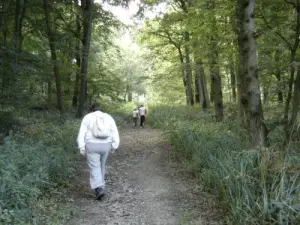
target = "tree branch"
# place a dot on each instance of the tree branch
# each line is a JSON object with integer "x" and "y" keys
{"x": 276, "y": 32}
{"x": 290, "y": 3}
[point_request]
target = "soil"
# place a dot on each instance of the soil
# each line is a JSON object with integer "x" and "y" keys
{"x": 147, "y": 183}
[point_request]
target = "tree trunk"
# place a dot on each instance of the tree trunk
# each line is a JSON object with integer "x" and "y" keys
{"x": 87, "y": 30}
{"x": 19, "y": 17}
{"x": 265, "y": 94}
{"x": 49, "y": 99}
{"x": 232, "y": 79}
{"x": 181, "y": 59}
{"x": 249, "y": 71}
{"x": 201, "y": 84}
{"x": 53, "y": 57}
{"x": 197, "y": 83}
{"x": 279, "y": 88}
{"x": 130, "y": 96}
{"x": 278, "y": 77}
{"x": 239, "y": 97}
{"x": 296, "y": 100}
{"x": 216, "y": 87}
{"x": 290, "y": 92}
{"x": 77, "y": 56}
{"x": 216, "y": 82}
{"x": 293, "y": 49}
{"x": 3, "y": 16}
{"x": 188, "y": 68}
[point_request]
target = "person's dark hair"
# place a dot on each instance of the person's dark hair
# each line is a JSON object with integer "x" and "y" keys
{"x": 95, "y": 107}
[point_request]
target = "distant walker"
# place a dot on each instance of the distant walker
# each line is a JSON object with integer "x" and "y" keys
{"x": 143, "y": 113}
{"x": 135, "y": 116}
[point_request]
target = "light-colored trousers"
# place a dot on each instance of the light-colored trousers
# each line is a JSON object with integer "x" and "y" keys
{"x": 96, "y": 155}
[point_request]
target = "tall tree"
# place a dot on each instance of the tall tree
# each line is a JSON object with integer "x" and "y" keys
{"x": 87, "y": 6}
{"x": 77, "y": 54}
{"x": 52, "y": 43}
{"x": 216, "y": 80}
{"x": 251, "y": 98}
{"x": 19, "y": 18}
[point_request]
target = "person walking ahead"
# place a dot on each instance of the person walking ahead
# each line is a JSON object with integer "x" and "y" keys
{"x": 97, "y": 137}
{"x": 135, "y": 115}
{"x": 142, "y": 112}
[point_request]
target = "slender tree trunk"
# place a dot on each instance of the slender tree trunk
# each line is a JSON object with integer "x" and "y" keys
{"x": 232, "y": 79}
{"x": 205, "y": 90}
{"x": 5, "y": 67}
{"x": 130, "y": 96}
{"x": 216, "y": 81}
{"x": 3, "y": 16}
{"x": 49, "y": 100}
{"x": 77, "y": 55}
{"x": 87, "y": 30}
{"x": 296, "y": 99}
{"x": 249, "y": 71}
{"x": 19, "y": 17}
{"x": 239, "y": 97}
{"x": 181, "y": 59}
{"x": 293, "y": 49}
{"x": 197, "y": 91}
{"x": 216, "y": 87}
{"x": 290, "y": 92}
{"x": 278, "y": 77}
{"x": 201, "y": 84}
{"x": 17, "y": 24}
{"x": 188, "y": 68}
{"x": 53, "y": 57}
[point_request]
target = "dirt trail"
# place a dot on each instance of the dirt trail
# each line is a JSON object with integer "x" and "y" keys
{"x": 146, "y": 184}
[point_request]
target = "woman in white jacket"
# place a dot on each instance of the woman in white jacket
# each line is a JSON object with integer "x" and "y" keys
{"x": 97, "y": 148}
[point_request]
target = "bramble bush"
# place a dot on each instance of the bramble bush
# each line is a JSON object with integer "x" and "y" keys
{"x": 254, "y": 186}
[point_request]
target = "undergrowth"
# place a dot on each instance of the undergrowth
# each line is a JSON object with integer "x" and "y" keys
{"x": 36, "y": 162}
{"x": 253, "y": 186}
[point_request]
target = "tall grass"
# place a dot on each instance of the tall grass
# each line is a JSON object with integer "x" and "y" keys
{"x": 253, "y": 186}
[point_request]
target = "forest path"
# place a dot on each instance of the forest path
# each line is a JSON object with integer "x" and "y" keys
{"x": 146, "y": 184}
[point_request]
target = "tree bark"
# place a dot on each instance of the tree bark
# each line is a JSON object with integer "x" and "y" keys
{"x": 197, "y": 83}
{"x": 278, "y": 77}
{"x": 216, "y": 80}
{"x": 232, "y": 79}
{"x": 188, "y": 68}
{"x": 249, "y": 71}
{"x": 87, "y": 30}
{"x": 293, "y": 50}
{"x": 19, "y": 17}
{"x": 181, "y": 59}
{"x": 130, "y": 96}
{"x": 296, "y": 100}
{"x": 77, "y": 55}
{"x": 49, "y": 97}
{"x": 53, "y": 56}
{"x": 239, "y": 97}
{"x": 216, "y": 87}
{"x": 289, "y": 94}
{"x": 201, "y": 84}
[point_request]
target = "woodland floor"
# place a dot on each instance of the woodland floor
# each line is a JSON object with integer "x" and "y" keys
{"x": 147, "y": 183}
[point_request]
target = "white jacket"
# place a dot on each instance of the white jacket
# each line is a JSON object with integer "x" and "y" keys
{"x": 85, "y": 135}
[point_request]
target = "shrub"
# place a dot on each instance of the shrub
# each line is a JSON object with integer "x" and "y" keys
{"x": 34, "y": 161}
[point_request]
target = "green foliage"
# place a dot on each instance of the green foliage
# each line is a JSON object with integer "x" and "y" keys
{"x": 251, "y": 187}
{"x": 34, "y": 163}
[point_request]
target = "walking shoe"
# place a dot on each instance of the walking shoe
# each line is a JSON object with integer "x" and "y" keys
{"x": 100, "y": 192}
